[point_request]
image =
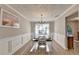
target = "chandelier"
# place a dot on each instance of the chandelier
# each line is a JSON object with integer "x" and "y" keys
{"x": 42, "y": 19}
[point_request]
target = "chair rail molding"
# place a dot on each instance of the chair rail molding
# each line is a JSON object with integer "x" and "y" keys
{"x": 12, "y": 44}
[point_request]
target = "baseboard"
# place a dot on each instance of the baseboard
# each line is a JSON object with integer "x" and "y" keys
{"x": 60, "y": 45}
{"x": 10, "y": 45}
{"x": 19, "y": 48}
{"x": 22, "y": 49}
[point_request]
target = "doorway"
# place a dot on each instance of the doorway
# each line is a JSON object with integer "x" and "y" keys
{"x": 72, "y": 30}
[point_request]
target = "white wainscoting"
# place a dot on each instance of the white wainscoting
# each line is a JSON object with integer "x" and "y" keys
{"x": 12, "y": 44}
{"x": 60, "y": 39}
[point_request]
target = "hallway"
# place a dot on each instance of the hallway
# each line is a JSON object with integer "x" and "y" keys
{"x": 21, "y": 24}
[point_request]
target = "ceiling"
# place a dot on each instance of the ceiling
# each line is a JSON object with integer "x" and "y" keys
{"x": 33, "y": 12}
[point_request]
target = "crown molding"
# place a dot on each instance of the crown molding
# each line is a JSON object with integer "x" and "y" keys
{"x": 68, "y": 9}
{"x": 16, "y": 11}
{"x": 72, "y": 6}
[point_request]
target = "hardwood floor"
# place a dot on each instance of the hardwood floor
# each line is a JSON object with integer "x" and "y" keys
{"x": 55, "y": 50}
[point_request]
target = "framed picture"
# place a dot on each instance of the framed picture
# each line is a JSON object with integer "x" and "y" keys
{"x": 8, "y": 19}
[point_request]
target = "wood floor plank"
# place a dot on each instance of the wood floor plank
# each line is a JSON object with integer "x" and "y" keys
{"x": 55, "y": 50}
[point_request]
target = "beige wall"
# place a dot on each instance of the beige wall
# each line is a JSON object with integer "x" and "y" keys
{"x": 12, "y": 39}
{"x": 9, "y": 32}
{"x": 60, "y": 28}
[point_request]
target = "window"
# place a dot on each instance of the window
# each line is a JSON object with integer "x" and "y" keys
{"x": 41, "y": 30}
